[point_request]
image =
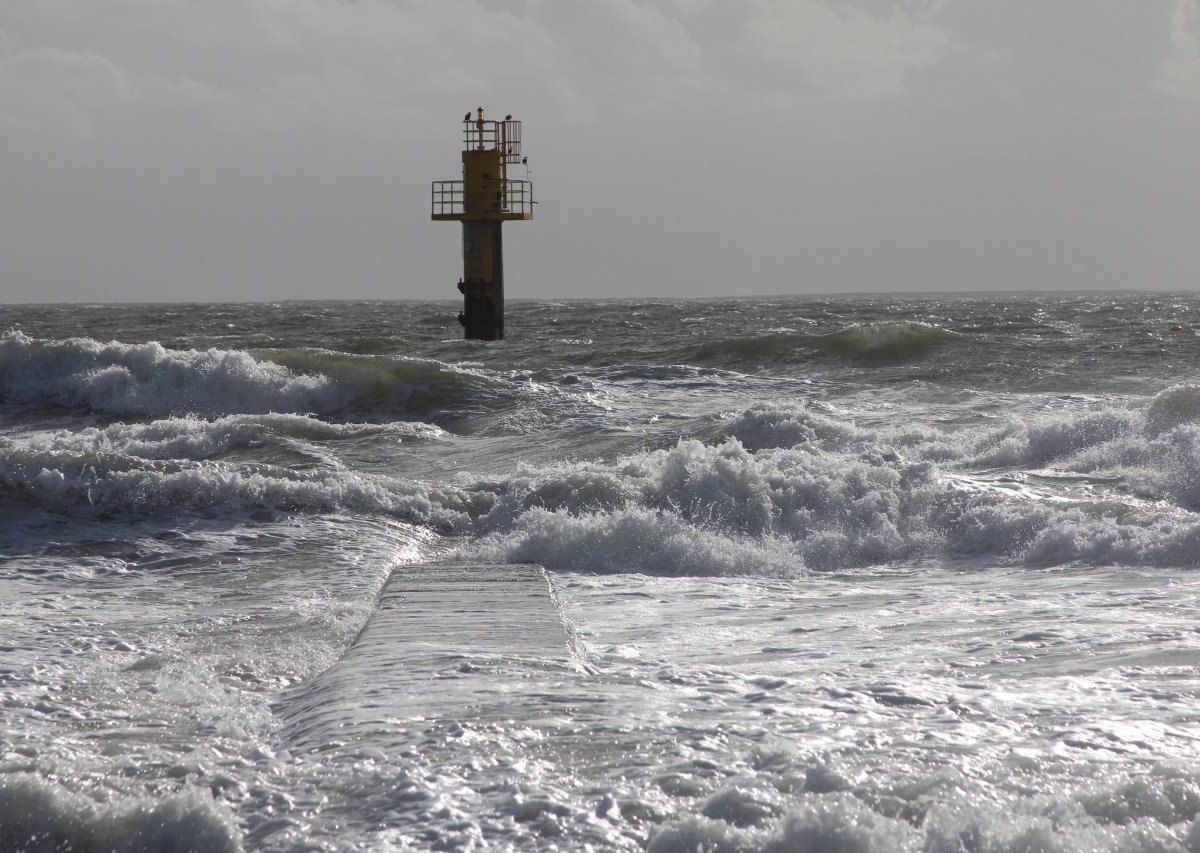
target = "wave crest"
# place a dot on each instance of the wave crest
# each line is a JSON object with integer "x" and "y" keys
{"x": 141, "y": 379}
{"x": 150, "y": 380}
{"x": 809, "y": 489}
{"x": 38, "y": 815}
{"x": 875, "y": 342}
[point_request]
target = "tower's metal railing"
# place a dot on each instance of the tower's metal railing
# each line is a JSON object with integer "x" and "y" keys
{"x": 500, "y": 199}
{"x": 503, "y": 136}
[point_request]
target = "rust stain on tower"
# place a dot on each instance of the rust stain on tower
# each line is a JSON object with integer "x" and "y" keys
{"x": 482, "y": 201}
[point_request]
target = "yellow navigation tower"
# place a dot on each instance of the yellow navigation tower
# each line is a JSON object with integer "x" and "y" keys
{"x": 482, "y": 201}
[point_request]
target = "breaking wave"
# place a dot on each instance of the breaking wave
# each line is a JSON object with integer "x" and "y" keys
{"x": 150, "y": 380}
{"x": 38, "y": 815}
{"x": 797, "y": 486}
{"x": 1149, "y": 449}
{"x": 1139, "y": 816}
{"x": 98, "y": 487}
{"x": 700, "y": 509}
{"x": 784, "y": 488}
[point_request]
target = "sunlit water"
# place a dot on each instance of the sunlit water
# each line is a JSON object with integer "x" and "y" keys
{"x": 869, "y": 574}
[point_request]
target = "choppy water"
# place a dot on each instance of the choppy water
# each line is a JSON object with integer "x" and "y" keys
{"x": 860, "y": 574}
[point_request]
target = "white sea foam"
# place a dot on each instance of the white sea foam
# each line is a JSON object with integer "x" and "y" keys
{"x": 633, "y": 540}
{"x": 157, "y": 625}
{"x": 691, "y": 509}
{"x": 707, "y": 509}
{"x": 195, "y": 438}
{"x": 148, "y": 379}
{"x": 793, "y": 487}
{"x": 64, "y": 482}
{"x": 36, "y": 815}
{"x": 841, "y": 496}
{"x": 1153, "y": 447}
{"x": 1150, "y": 823}
{"x": 118, "y": 378}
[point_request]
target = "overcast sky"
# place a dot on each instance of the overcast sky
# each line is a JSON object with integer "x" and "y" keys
{"x": 283, "y": 149}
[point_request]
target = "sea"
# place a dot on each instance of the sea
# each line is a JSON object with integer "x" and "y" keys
{"x": 838, "y": 573}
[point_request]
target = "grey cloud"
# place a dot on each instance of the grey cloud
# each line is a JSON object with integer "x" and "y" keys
{"x": 57, "y": 89}
{"x": 1179, "y": 73}
{"x": 842, "y": 49}
{"x": 284, "y": 148}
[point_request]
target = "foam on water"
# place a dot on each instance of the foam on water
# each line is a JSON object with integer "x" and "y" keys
{"x": 1151, "y": 448}
{"x": 193, "y": 438}
{"x": 36, "y": 816}
{"x": 842, "y": 822}
{"x": 853, "y": 501}
{"x": 833, "y": 586}
{"x": 61, "y": 485}
{"x": 633, "y": 540}
{"x": 168, "y": 465}
{"x": 142, "y": 379}
{"x": 150, "y": 380}
{"x": 791, "y": 487}
{"x": 137, "y": 701}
